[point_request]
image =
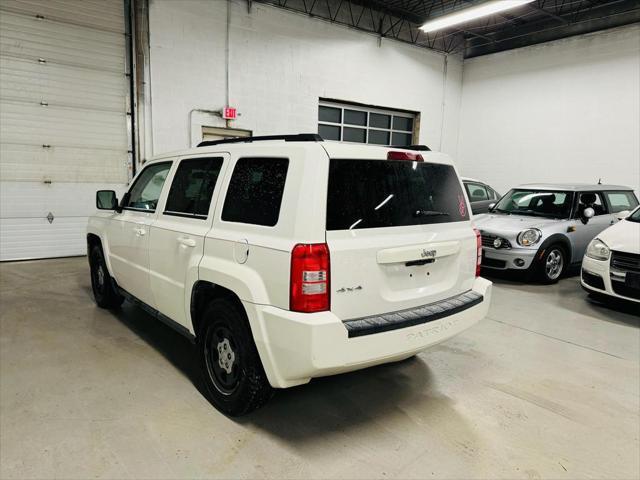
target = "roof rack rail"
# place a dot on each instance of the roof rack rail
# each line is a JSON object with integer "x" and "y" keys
{"x": 419, "y": 148}
{"x": 300, "y": 137}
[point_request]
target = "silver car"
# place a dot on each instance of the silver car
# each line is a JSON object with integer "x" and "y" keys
{"x": 540, "y": 229}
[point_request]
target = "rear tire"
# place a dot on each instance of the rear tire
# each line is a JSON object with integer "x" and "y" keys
{"x": 552, "y": 265}
{"x": 232, "y": 372}
{"x": 102, "y": 284}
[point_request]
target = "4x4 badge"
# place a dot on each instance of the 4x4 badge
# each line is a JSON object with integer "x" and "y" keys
{"x": 349, "y": 289}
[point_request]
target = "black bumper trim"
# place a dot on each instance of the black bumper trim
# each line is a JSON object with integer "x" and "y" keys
{"x": 358, "y": 327}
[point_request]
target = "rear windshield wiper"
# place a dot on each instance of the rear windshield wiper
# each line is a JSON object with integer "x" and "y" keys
{"x": 429, "y": 213}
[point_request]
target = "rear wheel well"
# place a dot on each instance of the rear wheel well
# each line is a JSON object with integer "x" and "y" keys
{"x": 203, "y": 292}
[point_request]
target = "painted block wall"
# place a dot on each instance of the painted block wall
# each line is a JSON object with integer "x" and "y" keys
{"x": 281, "y": 63}
{"x": 563, "y": 111}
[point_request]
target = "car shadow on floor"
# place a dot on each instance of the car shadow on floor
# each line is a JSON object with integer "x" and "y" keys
{"x": 323, "y": 406}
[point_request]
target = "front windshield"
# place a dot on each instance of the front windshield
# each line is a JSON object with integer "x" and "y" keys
{"x": 635, "y": 216}
{"x": 537, "y": 203}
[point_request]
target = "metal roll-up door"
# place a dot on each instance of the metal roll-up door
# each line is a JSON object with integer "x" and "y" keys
{"x": 64, "y": 97}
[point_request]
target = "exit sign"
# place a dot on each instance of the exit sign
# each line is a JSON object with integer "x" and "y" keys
{"x": 229, "y": 113}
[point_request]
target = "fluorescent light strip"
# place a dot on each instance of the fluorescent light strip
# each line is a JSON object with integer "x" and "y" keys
{"x": 468, "y": 14}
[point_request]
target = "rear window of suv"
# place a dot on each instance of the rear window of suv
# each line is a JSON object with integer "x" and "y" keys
{"x": 255, "y": 191}
{"x": 392, "y": 193}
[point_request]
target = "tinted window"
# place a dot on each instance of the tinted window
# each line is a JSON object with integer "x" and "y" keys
{"x": 401, "y": 138}
{"x": 145, "y": 191}
{"x": 379, "y": 137}
{"x": 255, "y": 191}
{"x": 355, "y": 117}
{"x": 379, "y": 120}
{"x": 329, "y": 114}
{"x": 592, "y": 200}
{"x": 476, "y": 192}
{"x": 620, "y": 201}
{"x": 354, "y": 134}
{"x": 193, "y": 186}
{"x": 402, "y": 123}
{"x": 381, "y": 193}
{"x": 329, "y": 132}
{"x": 537, "y": 203}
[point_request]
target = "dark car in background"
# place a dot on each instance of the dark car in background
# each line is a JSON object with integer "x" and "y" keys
{"x": 480, "y": 195}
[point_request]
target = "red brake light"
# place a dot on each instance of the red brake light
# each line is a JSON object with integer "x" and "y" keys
{"x": 310, "y": 285}
{"x": 478, "y": 251}
{"x": 411, "y": 156}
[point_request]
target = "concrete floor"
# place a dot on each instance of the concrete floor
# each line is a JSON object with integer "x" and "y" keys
{"x": 546, "y": 387}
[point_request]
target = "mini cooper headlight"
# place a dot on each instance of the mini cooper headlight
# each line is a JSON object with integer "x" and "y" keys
{"x": 526, "y": 238}
{"x": 598, "y": 250}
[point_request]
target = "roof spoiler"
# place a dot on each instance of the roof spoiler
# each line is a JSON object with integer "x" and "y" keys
{"x": 300, "y": 137}
{"x": 418, "y": 148}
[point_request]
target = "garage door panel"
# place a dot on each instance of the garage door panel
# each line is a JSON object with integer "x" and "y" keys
{"x": 25, "y": 238}
{"x": 63, "y": 120}
{"x": 62, "y": 126}
{"x": 32, "y": 82}
{"x": 104, "y": 14}
{"x": 28, "y": 37}
{"x": 36, "y": 199}
{"x": 62, "y": 164}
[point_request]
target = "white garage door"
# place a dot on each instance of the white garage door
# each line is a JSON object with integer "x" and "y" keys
{"x": 63, "y": 120}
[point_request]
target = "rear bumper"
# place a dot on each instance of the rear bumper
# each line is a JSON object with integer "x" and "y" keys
{"x": 296, "y": 347}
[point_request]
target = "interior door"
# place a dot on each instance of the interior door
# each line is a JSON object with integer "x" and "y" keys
{"x": 128, "y": 232}
{"x": 177, "y": 234}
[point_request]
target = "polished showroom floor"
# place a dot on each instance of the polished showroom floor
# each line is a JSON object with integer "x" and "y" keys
{"x": 546, "y": 387}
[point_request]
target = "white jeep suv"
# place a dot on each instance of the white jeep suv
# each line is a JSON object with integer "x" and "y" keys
{"x": 287, "y": 258}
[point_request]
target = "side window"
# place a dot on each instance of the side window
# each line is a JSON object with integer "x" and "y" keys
{"x": 620, "y": 201}
{"x": 593, "y": 200}
{"x": 145, "y": 191}
{"x": 477, "y": 192}
{"x": 493, "y": 195}
{"x": 255, "y": 191}
{"x": 193, "y": 186}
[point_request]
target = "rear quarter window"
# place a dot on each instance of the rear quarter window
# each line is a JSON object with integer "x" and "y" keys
{"x": 387, "y": 193}
{"x": 255, "y": 191}
{"x": 620, "y": 201}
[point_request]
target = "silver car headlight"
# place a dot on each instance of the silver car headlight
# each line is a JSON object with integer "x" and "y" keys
{"x": 529, "y": 237}
{"x": 598, "y": 250}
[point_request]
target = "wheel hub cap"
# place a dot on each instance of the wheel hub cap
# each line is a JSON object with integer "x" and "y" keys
{"x": 226, "y": 355}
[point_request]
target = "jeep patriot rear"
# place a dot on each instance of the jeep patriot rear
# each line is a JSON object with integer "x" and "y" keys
{"x": 288, "y": 260}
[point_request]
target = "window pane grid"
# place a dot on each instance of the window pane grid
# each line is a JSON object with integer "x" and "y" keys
{"x": 348, "y": 123}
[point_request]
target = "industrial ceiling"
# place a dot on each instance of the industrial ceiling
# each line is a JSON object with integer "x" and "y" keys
{"x": 536, "y": 22}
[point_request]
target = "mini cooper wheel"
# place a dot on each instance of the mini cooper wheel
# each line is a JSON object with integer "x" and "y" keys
{"x": 232, "y": 372}
{"x": 104, "y": 292}
{"x": 552, "y": 264}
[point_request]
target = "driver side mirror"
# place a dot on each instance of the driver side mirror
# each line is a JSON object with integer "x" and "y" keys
{"x": 106, "y": 200}
{"x": 587, "y": 215}
{"x": 623, "y": 214}
{"x": 492, "y": 206}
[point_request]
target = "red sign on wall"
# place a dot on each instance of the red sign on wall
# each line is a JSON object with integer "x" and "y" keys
{"x": 229, "y": 113}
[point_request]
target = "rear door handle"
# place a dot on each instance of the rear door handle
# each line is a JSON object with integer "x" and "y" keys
{"x": 187, "y": 242}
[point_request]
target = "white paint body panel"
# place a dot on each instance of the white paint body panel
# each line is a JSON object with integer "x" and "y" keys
{"x": 624, "y": 236}
{"x": 253, "y": 262}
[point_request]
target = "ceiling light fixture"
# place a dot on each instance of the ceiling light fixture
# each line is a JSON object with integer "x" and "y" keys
{"x": 468, "y": 14}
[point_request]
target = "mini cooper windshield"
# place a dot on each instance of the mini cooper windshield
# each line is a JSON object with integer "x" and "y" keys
{"x": 537, "y": 203}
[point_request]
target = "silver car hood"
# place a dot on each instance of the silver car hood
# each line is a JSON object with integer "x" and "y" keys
{"x": 511, "y": 225}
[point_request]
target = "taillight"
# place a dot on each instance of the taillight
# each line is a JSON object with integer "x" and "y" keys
{"x": 310, "y": 284}
{"x": 399, "y": 155}
{"x": 478, "y": 251}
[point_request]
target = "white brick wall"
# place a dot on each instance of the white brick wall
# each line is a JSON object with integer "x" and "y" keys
{"x": 280, "y": 64}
